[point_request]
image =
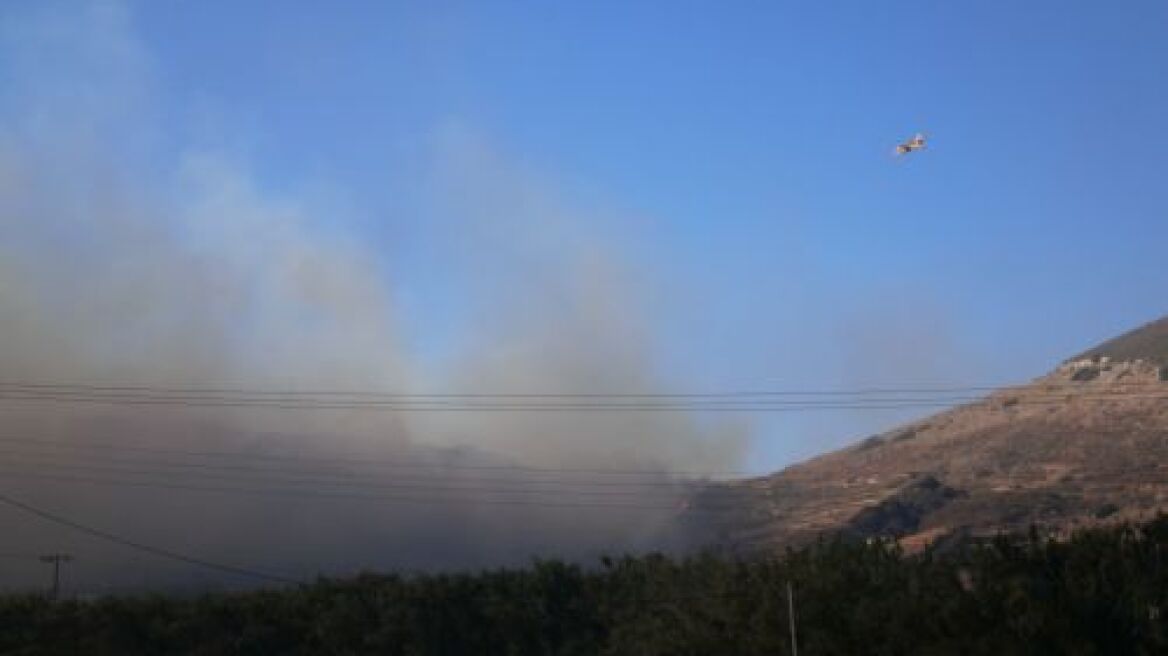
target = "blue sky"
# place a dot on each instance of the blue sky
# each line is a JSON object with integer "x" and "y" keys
{"x": 736, "y": 159}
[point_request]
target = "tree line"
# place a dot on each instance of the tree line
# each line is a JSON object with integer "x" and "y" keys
{"x": 1102, "y": 591}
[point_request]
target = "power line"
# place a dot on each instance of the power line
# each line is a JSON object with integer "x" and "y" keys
{"x": 742, "y": 407}
{"x": 244, "y": 391}
{"x": 581, "y": 489}
{"x": 690, "y": 505}
{"x": 157, "y": 551}
{"x": 350, "y": 477}
{"x": 444, "y": 466}
{"x": 370, "y": 462}
{"x": 387, "y": 498}
{"x": 772, "y": 401}
{"x": 658, "y": 490}
{"x": 249, "y": 392}
{"x": 435, "y": 406}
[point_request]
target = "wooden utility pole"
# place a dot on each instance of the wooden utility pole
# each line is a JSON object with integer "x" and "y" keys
{"x": 56, "y": 559}
{"x": 791, "y": 619}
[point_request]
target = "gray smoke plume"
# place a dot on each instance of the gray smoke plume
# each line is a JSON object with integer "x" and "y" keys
{"x": 123, "y": 264}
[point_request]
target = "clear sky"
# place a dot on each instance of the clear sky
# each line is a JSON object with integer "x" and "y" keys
{"x": 736, "y": 155}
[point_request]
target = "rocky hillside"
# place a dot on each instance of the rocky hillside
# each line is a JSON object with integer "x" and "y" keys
{"x": 1085, "y": 444}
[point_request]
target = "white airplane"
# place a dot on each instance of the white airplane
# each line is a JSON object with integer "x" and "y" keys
{"x": 916, "y": 143}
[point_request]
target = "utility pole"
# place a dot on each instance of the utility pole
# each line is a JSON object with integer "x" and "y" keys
{"x": 791, "y": 618}
{"x": 56, "y": 559}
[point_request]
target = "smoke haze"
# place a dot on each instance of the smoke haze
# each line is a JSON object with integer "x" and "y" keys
{"x": 127, "y": 261}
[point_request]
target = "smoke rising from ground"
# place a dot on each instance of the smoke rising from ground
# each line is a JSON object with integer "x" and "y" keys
{"x": 122, "y": 262}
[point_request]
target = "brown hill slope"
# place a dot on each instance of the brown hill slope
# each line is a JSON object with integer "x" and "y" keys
{"x": 1085, "y": 444}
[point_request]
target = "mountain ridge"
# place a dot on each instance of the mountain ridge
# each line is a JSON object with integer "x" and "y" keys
{"x": 1082, "y": 445}
{"x": 1148, "y": 342}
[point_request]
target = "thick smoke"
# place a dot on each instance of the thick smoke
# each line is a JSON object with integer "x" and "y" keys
{"x": 122, "y": 263}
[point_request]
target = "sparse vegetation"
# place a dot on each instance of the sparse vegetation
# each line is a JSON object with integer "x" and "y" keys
{"x": 1106, "y": 510}
{"x": 1103, "y": 591}
{"x": 1085, "y": 374}
{"x": 905, "y": 434}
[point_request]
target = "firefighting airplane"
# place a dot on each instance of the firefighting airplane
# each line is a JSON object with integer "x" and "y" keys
{"x": 916, "y": 143}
